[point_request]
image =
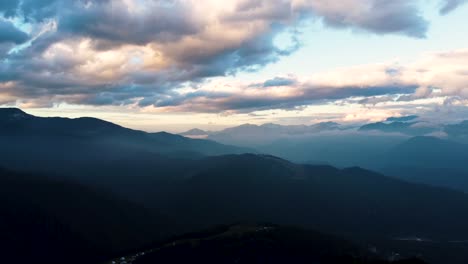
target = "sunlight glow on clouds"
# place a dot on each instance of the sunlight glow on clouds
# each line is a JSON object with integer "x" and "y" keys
{"x": 434, "y": 75}
{"x": 179, "y": 56}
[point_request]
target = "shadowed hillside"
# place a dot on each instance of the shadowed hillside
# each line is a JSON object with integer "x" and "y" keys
{"x": 261, "y": 244}
{"x": 49, "y": 221}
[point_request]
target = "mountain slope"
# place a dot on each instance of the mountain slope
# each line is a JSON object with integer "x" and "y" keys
{"x": 343, "y": 150}
{"x": 254, "y": 135}
{"x": 15, "y": 124}
{"x": 427, "y": 160}
{"x": 428, "y": 152}
{"x": 458, "y": 131}
{"x": 259, "y": 244}
{"x": 150, "y": 169}
{"x": 262, "y": 188}
{"x": 83, "y": 146}
{"x": 195, "y": 133}
{"x": 58, "y": 222}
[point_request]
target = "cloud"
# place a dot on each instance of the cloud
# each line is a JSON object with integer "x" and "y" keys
{"x": 378, "y": 16}
{"x": 246, "y": 98}
{"x": 8, "y": 8}
{"x": 117, "y": 22}
{"x": 450, "y": 5}
{"x": 10, "y": 34}
{"x": 142, "y": 52}
{"x": 433, "y": 76}
{"x": 279, "y": 81}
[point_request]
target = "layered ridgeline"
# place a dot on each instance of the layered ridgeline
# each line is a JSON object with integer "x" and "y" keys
{"x": 350, "y": 201}
{"x": 85, "y": 146}
{"x": 200, "y": 190}
{"x": 404, "y": 147}
{"x": 26, "y": 129}
{"x": 428, "y": 160}
{"x": 422, "y": 159}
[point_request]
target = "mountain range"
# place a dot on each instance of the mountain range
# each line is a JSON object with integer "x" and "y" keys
{"x": 409, "y": 126}
{"x": 18, "y": 123}
{"x": 115, "y": 190}
{"x": 248, "y": 134}
{"x": 403, "y": 147}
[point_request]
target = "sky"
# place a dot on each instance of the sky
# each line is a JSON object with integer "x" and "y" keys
{"x": 178, "y": 64}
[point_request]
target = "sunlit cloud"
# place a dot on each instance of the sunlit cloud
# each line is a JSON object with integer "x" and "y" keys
{"x": 166, "y": 56}
{"x": 96, "y": 48}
